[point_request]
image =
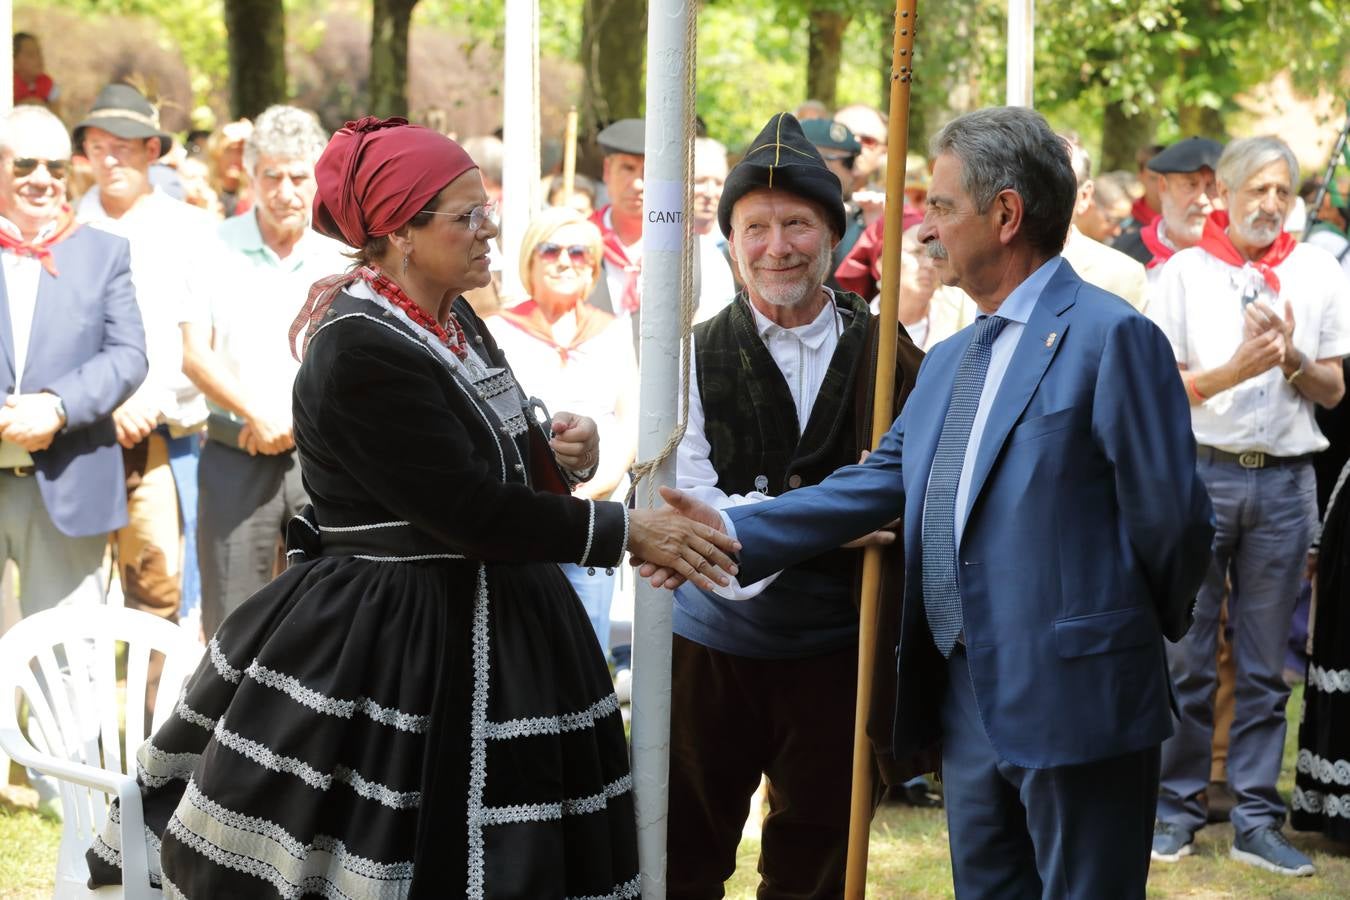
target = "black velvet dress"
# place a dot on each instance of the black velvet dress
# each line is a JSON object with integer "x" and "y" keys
{"x": 1321, "y": 800}
{"x": 418, "y": 705}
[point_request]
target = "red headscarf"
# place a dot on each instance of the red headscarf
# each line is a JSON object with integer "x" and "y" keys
{"x": 376, "y": 174}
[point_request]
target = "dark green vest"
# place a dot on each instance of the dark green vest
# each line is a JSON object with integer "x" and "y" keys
{"x": 750, "y": 419}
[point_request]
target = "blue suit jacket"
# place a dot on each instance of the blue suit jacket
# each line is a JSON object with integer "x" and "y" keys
{"x": 87, "y": 346}
{"x": 1087, "y": 537}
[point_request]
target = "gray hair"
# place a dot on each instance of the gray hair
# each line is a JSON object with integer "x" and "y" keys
{"x": 1245, "y": 157}
{"x": 1010, "y": 148}
{"x": 36, "y": 124}
{"x": 1079, "y": 159}
{"x": 285, "y": 132}
{"x": 487, "y": 152}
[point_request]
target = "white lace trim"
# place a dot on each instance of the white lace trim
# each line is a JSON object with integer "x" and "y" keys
{"x": 264, "y": 757}
{"x": 626, "y": 891}
{"x": 420, "y": 558}
{"x": 623, "y": 547}
{"x": 1329, "y": 681}
{"x": 108, "y": 844}
{"x": 342, "y": 529}
{"x": 1326, "y": 771}
{"x": 223, "y": 667}
{"x": 1318, "y": 803}
{"x": 190, "y": 715}
{"x": 377, "y": 792}
{"x": 548, "y": 812}
{"x": 171, "y": 891}
{"x": 332, "y": 706}
{"x": 517, "y": 728}
{"x": 155, "y": 768}
{"x": 308, "y": 524}
{"x": 590, "y": 531}
{"x": 265, "y": 850}
{"x": 478, "y": 737}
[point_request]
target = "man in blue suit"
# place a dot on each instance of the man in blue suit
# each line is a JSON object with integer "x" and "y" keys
{"x": 71, "y": 350}
{"x": 1055, "y": 532}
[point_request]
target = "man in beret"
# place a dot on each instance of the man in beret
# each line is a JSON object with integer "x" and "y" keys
{"x": 764, "y": 676}
{"x": 158, "y": 426}
{"x": 620, "y": 221}
{"x": 1186, "y": 195}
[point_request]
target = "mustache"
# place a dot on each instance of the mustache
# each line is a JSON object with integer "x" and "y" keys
{"x": 935, "y": 249}
{"x": 1263, "y": 218}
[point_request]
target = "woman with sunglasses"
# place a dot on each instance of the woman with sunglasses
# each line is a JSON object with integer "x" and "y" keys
{"x": 416, "y": 707}
{"x": 576, "y": 357}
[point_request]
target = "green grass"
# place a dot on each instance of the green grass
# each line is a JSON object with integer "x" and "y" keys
{"x": 908, "y": 857}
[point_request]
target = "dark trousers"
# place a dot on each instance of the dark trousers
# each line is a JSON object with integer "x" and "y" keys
{"x": 733, "y": 719}
{"x": 244, "y": 503}
{"x": 1066, "y": 832}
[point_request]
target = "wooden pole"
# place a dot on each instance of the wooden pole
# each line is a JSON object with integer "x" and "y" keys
{"x": 897, "y": 147}
{"x": 570, "y": 155}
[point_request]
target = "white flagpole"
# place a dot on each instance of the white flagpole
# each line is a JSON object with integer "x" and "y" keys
{"x": 7, "y": 63}
{"x": 669, "y": 117}
{"x": 1021, "y": 52}
{"x": 520, "y": 135}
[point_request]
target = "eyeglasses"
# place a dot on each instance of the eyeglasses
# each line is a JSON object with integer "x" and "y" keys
{"x": 846, "y": 158}
{"x": 478, "y": 216}
{"x": 24, "y": 166}
{"x": 549, "y": 252}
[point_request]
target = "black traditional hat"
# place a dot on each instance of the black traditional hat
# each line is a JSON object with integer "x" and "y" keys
{"x": 121, "y": 110}
{"x": 1189, "y": 155}
{"x": 624, "y": 136}
{"x": 783, "y": 159}
{"x": 831, "y": 136}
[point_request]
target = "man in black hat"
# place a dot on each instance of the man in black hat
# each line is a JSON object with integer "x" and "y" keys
{"x": 1186, "y": 194}
{"x": 158, "y": 425}
{"x": 620, "y": 221}
{"x": 840, "y": 149}
{"x": 764, "y": 676}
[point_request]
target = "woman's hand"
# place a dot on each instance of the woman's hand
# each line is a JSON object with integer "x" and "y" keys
{"x": 667, "y": 576}
{"x": 575, "y": 442}
{"x": 681, "y": 549}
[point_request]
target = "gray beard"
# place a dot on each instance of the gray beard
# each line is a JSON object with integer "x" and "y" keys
{"x": 796, "y": 294}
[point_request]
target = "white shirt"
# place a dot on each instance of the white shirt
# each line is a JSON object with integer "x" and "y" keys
{"x": 22, "y": 274}
{"x": 1197, "y": 302}
{"x": 173, "y": 250}
{"x": 616, "y": 279}
{"x": 717, "y": 287}
{"x": 592, "y": 381}
{"x": 254, "y": 299}
{"x": 1334, "y": 244}
{"x": 803, "y": 356}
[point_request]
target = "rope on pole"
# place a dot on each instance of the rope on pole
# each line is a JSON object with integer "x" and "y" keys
{"x": 897, "y": 147}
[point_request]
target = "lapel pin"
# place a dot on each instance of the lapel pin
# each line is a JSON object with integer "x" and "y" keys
{"x": 1050, "y": 338}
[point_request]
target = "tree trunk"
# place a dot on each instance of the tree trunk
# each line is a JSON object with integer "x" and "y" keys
{"x": 1122, "y": 136}
{"x": 389, "y": 57}
{"x": 1201, "y": 120}
{"x": 613, "y": 51}
{"x": 257, "y": 49}
{"x": 824, "y": 50}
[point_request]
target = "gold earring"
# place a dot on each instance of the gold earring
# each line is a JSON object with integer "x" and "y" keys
{"x": 406, "y": 256}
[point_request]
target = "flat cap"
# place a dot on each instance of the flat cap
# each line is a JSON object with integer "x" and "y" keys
{"x": 827, "y": 135}
{"x": 624, "y": 136}
{"x": 1188, "y": 155}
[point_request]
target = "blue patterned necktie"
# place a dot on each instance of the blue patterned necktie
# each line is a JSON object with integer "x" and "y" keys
{"x": 941, "y": 595}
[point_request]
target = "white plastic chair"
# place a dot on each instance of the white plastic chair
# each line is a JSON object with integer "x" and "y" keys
{"x": 75, "y": 705}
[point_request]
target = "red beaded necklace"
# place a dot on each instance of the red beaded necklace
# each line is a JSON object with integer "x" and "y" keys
{"x": 453, "y": 338}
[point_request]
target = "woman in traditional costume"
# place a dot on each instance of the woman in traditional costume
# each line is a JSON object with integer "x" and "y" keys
{"x": 416, "y": 707}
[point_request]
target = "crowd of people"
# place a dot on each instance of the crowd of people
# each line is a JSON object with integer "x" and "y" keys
{"x": 242, "y": 375}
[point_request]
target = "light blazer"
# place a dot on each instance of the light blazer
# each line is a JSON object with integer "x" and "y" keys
{"x": 1087, "y": 536}
{"x": 87, "y": 346}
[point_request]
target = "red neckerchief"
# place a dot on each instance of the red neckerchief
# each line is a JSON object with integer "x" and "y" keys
{"x": 1143, "y": 213}
{"x": 40, "y": 89}
{"x": 1154, "y": 242}
{"x": 530, "y": 319}
{"x": 324, "y": 291}
{"x": 1216, "y": 243}
{"x": 617, "y": 255}
{"x": 41, "y": 249}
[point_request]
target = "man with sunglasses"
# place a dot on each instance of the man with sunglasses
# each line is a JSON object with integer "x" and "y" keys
{"x": 159, "y": 425}
{"x": 840, "y": 148}
{"x": 235, "y": 349}
{"x": 71, "y": 351}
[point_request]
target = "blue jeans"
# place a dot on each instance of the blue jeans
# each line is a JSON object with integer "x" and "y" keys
{"x": 1264, "y": 521}
{"x": 596, "y": 593}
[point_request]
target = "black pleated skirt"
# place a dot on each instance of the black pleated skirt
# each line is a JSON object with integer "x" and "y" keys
{"x": 375, "y": 729}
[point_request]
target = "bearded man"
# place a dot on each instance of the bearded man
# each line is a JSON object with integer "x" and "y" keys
{"x": 1186, "y": 193}
{"x": 1258, "y": 324}
{"x": 764, "y": 676}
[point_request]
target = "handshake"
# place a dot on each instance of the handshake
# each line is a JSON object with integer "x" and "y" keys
{"x": 683, "y": 541}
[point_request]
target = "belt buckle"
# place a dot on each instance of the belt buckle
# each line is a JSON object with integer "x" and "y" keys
{"x": 21, "y": 471}
{"x": 1252, "y": 459}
